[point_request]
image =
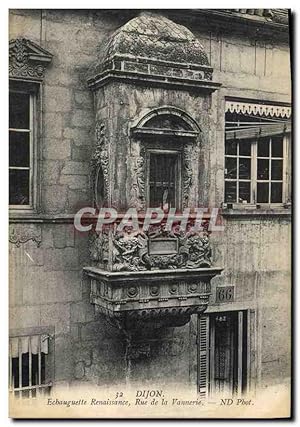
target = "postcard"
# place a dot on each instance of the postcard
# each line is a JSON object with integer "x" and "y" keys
{"x": 150, "y": 213}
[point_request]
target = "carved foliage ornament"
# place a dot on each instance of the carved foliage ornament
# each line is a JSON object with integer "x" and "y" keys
{"x": 27, "y": 60}
{"x": 138, "y": 186}
{"x": 100, "y": 159}
{"x": 98, "y": 247}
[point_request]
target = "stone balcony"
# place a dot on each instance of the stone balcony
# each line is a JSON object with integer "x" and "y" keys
{"x": 168, "y": 296}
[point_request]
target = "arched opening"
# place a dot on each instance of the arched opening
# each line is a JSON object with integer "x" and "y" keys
{"x": 166, "y": 136}
{"x": 168, "y": 120}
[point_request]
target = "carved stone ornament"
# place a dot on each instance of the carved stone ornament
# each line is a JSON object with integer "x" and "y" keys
{"x": 131, "y": 253}
{"x": 100, "y": 159}
{"x": 166, "y": 297}
{"x": 27, "y": 60}
{"x": 20, "y": 234}
{"x": 98, "y": 247}
{"x": 187, "y": 174}
{"x": 152, "y": 48}
{"x": 137, "y": 198}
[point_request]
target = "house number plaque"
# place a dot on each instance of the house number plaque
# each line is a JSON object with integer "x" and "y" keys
{"x": 225, "y": 293}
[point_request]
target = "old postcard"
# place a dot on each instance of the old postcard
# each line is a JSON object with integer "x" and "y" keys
{"x": 150, "y": 213}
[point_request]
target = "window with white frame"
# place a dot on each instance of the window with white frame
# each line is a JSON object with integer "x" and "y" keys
{"x": 27, "y": 65}
{"x": 22, "y": 150}
{"x": 257, "y": 138}
{"x": 29, "y": 366}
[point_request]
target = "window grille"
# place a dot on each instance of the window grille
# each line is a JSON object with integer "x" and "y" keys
{"x": 163, "y": 176}
{"x": 28, "y": 376}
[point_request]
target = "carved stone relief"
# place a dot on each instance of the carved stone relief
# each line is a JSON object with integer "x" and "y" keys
{"x": 137, "y": 197}
{"x": 171, "y": 300}
{"x": 100, "y": 160}
{"x": 99, "y": 247}
{"x": 19, "y": 234}
{"x": 187, "y": 175}
{"x": 131, "y": 253}
{"x": 27, "y": 60}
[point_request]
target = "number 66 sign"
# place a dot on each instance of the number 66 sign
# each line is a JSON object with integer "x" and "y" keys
{"x": 225, "y": 293}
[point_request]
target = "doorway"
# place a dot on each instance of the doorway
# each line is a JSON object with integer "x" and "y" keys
{"x": 222, "y": 353}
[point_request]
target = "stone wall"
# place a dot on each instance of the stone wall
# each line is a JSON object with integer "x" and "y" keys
{"x": 47, "y": 287}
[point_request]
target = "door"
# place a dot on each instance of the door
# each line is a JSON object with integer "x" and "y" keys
{"x": 222, "y": 354}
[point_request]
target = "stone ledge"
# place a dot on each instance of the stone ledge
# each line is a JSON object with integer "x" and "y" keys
{"x": 143, "y": 78}
{"x": 152, "y": 275}
{"x": 234, "y": 213}
{"x": 40, "y": 218}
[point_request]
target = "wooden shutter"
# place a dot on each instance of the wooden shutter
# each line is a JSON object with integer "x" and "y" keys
{"x": 203, "y": 356}
{"x": 240, "y": 366}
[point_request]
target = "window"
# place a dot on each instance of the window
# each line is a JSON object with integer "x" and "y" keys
{"x": 237, "y": 172}
{"x": 28, "y": 365}
{"x": 270, "y": 170}
{"x": 27, "y": 65}
{"x": 21, "y": 150}
{"x": 163, "y": 179}
{"x": 168, "y": 138}
{"x": 256, "y": 161}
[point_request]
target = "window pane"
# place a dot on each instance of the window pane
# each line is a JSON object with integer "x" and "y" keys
{"x": 231, "y": 147}
{"x": 263, "y": 169}
{"x": 15, "y": 371}
{"x": 263, "y": 147}
{"x": 43, "y": 368}
{"x": 162, "y": 180}
{"x": 230, "y": 167}
{"x": 276, "y": 172}
{"x": 262, "y": 192}
{"x": 244, "y": 191}
{"x": 245, "y": 148}
{"x": 230, "y": 192}
{"x": 34, "y": 370}
{"x": 19, "y": 149}
{"x": 277, "y": 146}
{"x": 25, "y": 369}
{"x": 244, "y": 168}
{"x": 19, "y": 110}
{"x": 19, "y": 187}
{"x": 276, "y": 192}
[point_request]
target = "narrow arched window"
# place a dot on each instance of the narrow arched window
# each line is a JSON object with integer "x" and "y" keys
{"x": 166, "y": 135}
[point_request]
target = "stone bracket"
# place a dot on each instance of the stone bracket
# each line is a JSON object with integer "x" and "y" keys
{"x": 167, "y": 296}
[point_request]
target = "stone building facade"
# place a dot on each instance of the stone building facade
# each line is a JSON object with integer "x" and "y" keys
{"x": 97, "y": 98}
